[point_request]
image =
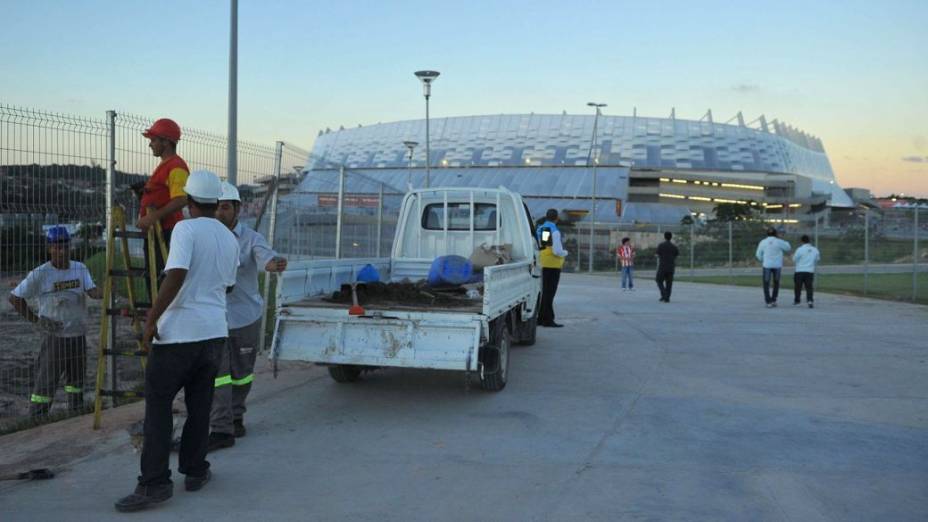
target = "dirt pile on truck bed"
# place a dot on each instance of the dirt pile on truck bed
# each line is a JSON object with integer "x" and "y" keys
{"x": 406, "y": 293}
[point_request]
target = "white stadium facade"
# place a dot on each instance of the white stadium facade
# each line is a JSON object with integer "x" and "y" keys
{"x": 655, "y": 169}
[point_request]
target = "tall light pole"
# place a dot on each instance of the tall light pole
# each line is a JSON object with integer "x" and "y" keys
{"x": 232, "y": 161}
{"x": 589, "y": 157}
{"x": 427, "y": 77}
{"x": 411, "y": 145}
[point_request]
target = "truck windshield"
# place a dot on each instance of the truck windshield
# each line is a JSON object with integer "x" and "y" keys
{"x": 433, "y": 216}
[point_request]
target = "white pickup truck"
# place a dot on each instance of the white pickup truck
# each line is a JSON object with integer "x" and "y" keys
{"x": 473, "y": 335}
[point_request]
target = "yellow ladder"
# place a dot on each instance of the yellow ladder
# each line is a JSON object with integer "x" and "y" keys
{"x": 134, "y": 309}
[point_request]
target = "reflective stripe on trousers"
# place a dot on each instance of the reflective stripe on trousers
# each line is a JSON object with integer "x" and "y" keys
{"x": 227, "y": 379}
{"x": 40, "y": 399}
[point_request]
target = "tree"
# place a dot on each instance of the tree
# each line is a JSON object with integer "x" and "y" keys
{"x": 725, "y": 212}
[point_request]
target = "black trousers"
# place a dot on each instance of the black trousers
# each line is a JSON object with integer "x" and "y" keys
{"x": 550, "y": 277}
{"x": 664, "y": 280}
{"x": 170, "y": 368}
{"x": 803, "y": 279}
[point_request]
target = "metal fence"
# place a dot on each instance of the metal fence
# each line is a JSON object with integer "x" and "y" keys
{"x": 871, "y": 252}
{"x": 57, "y": 169}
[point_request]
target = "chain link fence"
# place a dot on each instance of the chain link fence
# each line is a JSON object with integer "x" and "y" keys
{"x": 870, "y": 252}
{"x": 53, "y": 172}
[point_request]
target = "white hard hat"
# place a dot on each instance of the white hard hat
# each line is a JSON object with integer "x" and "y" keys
{"x": 229, "y": 192}
{"x": 203, "y": 186}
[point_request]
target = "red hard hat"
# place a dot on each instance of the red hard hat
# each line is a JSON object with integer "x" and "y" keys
{"x": 164, "y": 128}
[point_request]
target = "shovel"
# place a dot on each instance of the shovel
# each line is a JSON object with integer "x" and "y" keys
{"x": 32, "y": 474}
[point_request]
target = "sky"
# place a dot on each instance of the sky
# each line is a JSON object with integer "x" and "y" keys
{"x": 845, "y": 71}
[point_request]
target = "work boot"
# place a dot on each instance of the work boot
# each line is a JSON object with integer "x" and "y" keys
{"x": 145, "y": 496}
{"x": 218, "y": 441}
{"x": 238, "y": 426}
{"x": 194, "y": 483}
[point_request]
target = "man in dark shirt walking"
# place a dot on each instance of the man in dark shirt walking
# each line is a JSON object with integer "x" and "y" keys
{"x": 667, "y": 254}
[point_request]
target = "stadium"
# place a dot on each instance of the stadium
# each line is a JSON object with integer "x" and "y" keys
{"x": 647, "y": 170}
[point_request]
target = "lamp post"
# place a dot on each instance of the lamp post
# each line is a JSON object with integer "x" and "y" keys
{"x": 411, "y": 145}
{"x": 427, "y": 77}
{"x": 589, "y": 157}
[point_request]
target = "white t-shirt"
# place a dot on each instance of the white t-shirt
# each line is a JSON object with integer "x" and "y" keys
{"x": 61, "y": 295}
{"x": 209, "y": 252}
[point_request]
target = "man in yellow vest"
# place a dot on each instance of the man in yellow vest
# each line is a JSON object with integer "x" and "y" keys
{"x": 552, "y": 260}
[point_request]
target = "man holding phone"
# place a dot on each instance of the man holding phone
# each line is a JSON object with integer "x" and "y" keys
{"x": 552, "y": 260}
{"x": 244, "y": 312}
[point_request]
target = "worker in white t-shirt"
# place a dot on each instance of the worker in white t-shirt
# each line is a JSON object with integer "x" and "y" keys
{"x": 60, "y": 287}
{"x": 186, "y": 328}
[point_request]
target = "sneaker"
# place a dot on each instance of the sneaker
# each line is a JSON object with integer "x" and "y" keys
{"x": 810, "y": 304}
{"x": 238, "y": 426}
{"x": 218, "y": 441}
{"x": 773, "y": 304}
{"x": 795, "y": 303}
{"x": 769, "y": 305}
{"x": 552, "y": 324}
{"x": 193, "y": 483}
{"x": 144, "y": 496}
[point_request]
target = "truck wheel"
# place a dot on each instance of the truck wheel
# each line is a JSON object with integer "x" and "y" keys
{"x": 496, "y": 358}
{"x": 344, "y": 373}
{"x": 528, "y": 329}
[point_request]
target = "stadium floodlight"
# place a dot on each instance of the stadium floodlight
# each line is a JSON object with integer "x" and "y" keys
{"x": 589, "y": 157}
{"x": 411, "y": 145}
{"x": 427, "y": 77}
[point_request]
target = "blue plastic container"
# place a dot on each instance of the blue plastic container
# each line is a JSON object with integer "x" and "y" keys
{"x": 368, "y": 274}
{"x": 450, "y": 270}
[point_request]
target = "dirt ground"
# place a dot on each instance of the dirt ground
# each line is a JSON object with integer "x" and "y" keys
{"x": 406, "y": 293}
{"x": 20, "y": 343}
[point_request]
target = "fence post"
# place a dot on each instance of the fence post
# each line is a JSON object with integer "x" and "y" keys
{"x": 915, "y": 258}
{"x": 271, "y": 225}
{"x": 816, "y": 231}
{"x": 692, "y": 249}
{"x": 380, "y": 220}
{"x": 110, "y": 179}
{"x": 341, "y": 208}
{"x": 866, "y": 251}
{"x": 730, "y": 253}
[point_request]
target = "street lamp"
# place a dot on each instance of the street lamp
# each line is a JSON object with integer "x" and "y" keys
{"x": 411, "y": 145}
{"x": 589, "y": 157}
{"x": 427, "y": 78}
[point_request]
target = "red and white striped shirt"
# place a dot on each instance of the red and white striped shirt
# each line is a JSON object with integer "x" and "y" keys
{"x": 626, "y": 254}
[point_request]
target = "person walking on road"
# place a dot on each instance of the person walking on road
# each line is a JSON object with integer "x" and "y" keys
{"x": 626, "y": 254}
{"x": 60, "y": 286}
{"x": 244, "y": 312}
{"x": 667, "y": 254}
{"x": 805, "y": 257}
{"x": 185, "y": 329}
{"x": 552, "y": 260}
{"x": 770, "y": 252}
{"x": 163, "y": 196}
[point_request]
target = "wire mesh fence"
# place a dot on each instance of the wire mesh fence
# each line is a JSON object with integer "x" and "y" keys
{"x": 53, "y": 172}
{"x": 877, "y": 253}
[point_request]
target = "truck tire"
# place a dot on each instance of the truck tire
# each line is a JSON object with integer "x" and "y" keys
{"x": 528, "y": 329}
{"x": 344, "y": 373}
{"x": 496, "y": 357}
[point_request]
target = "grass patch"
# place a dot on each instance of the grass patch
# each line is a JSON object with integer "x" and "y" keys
{"x": 894, "y": 287}
{"x": 97, "y": 266}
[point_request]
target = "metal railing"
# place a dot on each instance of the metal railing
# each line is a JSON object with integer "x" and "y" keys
{"x": 60, "y": 169}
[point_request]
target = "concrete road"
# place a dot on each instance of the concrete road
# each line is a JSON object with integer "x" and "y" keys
{"x": 712, "y": 407}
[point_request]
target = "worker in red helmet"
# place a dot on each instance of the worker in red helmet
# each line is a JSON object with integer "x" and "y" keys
{"x": 164, "y": 190}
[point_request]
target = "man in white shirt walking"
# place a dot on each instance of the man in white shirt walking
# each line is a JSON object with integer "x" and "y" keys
{"x": 59, "y": 287}
{"x": 244, "y": 311}
{"x": 805, "y": 257}
{"x": 770, "y": 252}
{"x": 187, "y": 324}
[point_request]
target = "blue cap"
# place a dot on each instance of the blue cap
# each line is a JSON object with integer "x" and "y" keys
{"x": 58, "y": 234}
